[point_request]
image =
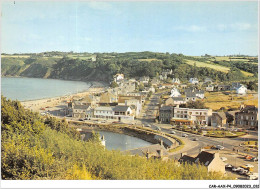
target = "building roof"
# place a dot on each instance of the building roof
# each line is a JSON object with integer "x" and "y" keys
{"x": 190, "y": 94}
{"x": 231, "y": 113}
{"x": 104, "y": 108}
{"x": 249, "y": 108}
{"x": 122, "y": 99}
{"x": 152, "y": 150}
{"x": 121, "y": 108}
{"x": 178, "y": 98}
{"x": 82, "y": 107}
{"x": 166, "y": 108}
{"x": 187, "y": 159}
{"x": 222, "y": 115}
{"x": 205, "y": 158}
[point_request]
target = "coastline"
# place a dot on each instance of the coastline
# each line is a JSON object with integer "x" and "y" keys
{"x": 37, "y": 104}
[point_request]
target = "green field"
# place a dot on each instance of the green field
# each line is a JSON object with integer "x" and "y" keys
{"x": 215, "y": 66}
{"x": 149, "y": 59}
{"x": 209, "y": 65}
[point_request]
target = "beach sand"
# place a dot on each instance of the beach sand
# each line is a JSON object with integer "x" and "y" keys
{"x": 46, "y": 103}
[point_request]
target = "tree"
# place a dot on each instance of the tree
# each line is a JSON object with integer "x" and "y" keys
{"x": 198, "y": 104}
{"x": 113, "y": 84}
{"x": 141, "y": 87}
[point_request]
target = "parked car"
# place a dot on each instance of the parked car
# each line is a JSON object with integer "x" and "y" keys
{"x": 253, "y": 176}
{"x": 243, "y": 172}
{"x": 195, "y": 139}
{"x": 228, "y": 166}
{"x": 237, "y": 169}
{"x": 219, "y": 147}
{"x": 173, "y": 132}
{"x": 254, "y": 159}
{"x": 184, "y": 135}
{"x": 81, "y": 119}
{"x": 223, "y": 158}
{"x": 249, "y": 166}
{"x": 158, "y": 128}
{"x": 248, "y": 157}
{"x": 147, "y": 125}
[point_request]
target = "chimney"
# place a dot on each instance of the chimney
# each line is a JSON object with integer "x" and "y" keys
{"x": 242, "y": 106}
{"x": 202, "y": 149}
{"x": 161, "y": 153}
{"x": 216, "y": 155}
{"x": 148, "y": 154}
{"x": 183, "y": 154}
{"x": 177, "y": 106}
{"x": 162, "y": 143}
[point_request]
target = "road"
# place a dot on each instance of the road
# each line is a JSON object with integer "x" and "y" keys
{"x": 150, "y": 110}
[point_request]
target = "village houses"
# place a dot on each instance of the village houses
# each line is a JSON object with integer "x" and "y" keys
{"x": 247, "y": 117}
{"x": 194, "y": 81}
{"x": 165, "y": 114}
{"x": 176, "y": 81}
{"x": 118, "y": 77}
{"x": 175, "y": 92}
{"x": 199, "y": 116}
{"x": 173, "y": 101}
{"x": 211, "y": 160}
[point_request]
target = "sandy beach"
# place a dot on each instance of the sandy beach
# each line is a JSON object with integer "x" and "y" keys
{"x": 42, "y": 104}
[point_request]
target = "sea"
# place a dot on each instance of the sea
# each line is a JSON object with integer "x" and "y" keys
{"x": 23, "y": 89}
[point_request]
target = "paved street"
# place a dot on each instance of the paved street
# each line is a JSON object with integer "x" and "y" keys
{"x": 193, "y": 147}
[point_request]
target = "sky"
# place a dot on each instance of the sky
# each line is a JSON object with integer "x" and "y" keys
{"x": 190, "y": 28}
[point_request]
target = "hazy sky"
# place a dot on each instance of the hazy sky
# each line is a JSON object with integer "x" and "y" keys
{"x": 191, "y": 28}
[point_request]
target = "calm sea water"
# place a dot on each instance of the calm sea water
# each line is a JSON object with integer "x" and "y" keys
{"x": 35, "y": 88}
{"x": 116, "y": 141}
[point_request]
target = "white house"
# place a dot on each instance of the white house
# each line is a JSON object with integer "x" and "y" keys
{"x": 82, "y": 111}
{"x": 123, "y": 113}
{"x": 175, "y": 92}
{"x": 176, "y": 80}
{"x": 118, "y": 77}
{"x": 136, "y": 104}
{"x": 201, "y": 116}
{"x": 210, "y": 88}
{"x": 194, "y": 81}
{"x": 105, "y": 112}
{"x": 241, "y": 90}
{"x": 145, "y": 79}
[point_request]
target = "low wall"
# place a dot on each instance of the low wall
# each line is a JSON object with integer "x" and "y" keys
{"x": 146, "y": 134}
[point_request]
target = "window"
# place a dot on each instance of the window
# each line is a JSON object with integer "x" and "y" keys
{"x": 252, "y": 123}
{"x": 185, "y": 116}
{"x": 252, "y": 118}
{"x": 197, "y": 113}
{"x": 246, "y": 117}
{"x": 178, "y": 111}
{"x": 241, "y": 117}
{"x": 185, "y": 112}
{"x": 205, "y": 113}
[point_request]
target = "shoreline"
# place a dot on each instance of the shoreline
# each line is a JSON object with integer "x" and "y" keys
{"x": 38, "y": 104}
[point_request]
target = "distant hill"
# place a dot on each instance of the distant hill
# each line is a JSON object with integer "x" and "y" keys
{"x": 102, "y": 66}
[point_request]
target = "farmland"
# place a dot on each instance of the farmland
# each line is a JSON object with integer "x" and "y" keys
{"x": 217, "y": 100}
{"x": 209, "y": 65}
{"x": 217, "y": 67}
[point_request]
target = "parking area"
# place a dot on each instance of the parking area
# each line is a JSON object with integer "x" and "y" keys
{"x": 238, "y": 160}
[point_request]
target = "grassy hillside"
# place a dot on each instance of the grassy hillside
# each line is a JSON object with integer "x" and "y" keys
{"x": 102, "y": 66}
{"x": 212, "y": 65}
{"x": 208, "y": 65}
{"x": 34, "y": 148}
